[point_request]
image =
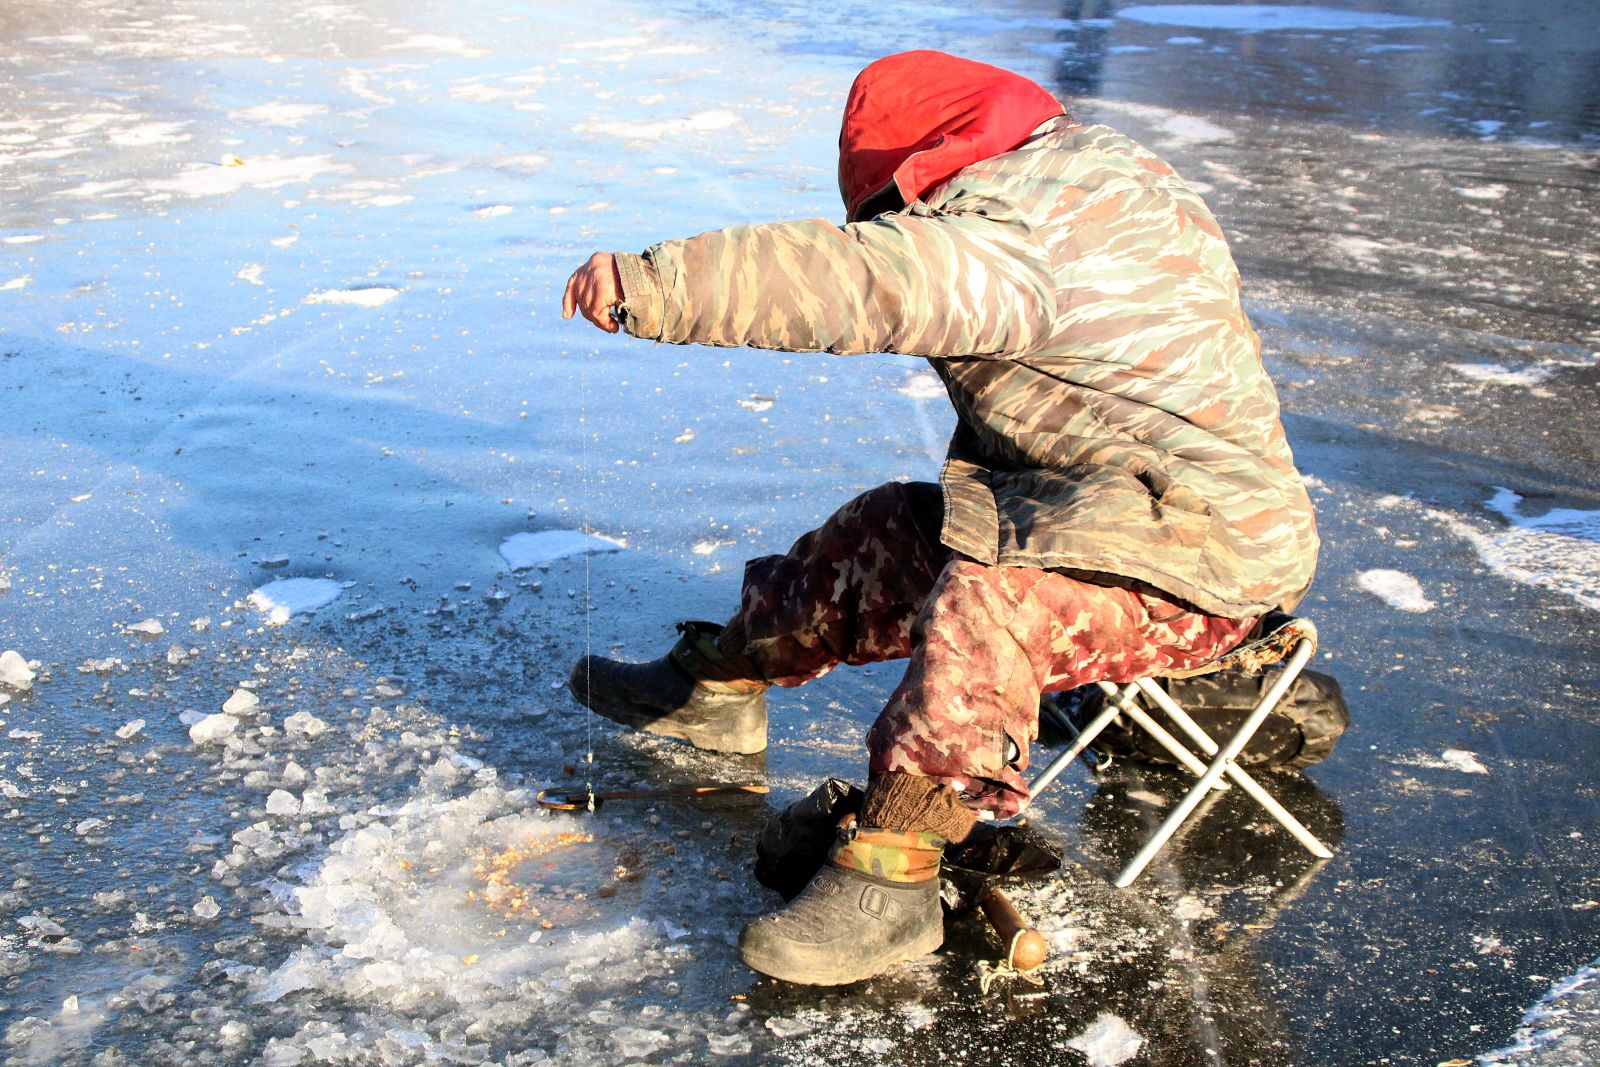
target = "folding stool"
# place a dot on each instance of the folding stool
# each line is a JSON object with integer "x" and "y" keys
{"x": 1279, "y": 638}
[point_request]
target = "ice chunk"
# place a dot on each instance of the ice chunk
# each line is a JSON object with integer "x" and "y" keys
{"x": 636, "y": 1043}
{"x": 42, "y": 926}
{"x": 1396, "y": 588}
{"x": 15, "y": 671}
{"x": 147, "y": 627}
{"x": 305, "y": 724}
{"x": 282, "y": 802}
{"x": 89, "y": 826}
{"x": 286, "y": 597}
{"x": 212, "y": 728}
{"x": 207, "y": 907}
{"x": 525, "y": 550}
{"x": 131, "y": 729}
{"x": 1107, "y": 1041}
{"x": 242, "y": 702}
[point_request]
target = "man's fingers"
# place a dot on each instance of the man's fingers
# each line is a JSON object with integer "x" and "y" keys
{"x": 569, "y": 302}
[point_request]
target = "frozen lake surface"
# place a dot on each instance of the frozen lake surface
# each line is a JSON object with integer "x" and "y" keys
{"x": 309, "y": 499}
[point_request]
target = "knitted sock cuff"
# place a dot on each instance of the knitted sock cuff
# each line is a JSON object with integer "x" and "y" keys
{"x": 912, "y": 803}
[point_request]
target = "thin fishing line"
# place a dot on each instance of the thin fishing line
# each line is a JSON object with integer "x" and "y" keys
{"x": 588, "y": 580}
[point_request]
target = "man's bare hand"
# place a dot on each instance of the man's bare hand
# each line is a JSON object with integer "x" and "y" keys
{"x": 594, "y": 289}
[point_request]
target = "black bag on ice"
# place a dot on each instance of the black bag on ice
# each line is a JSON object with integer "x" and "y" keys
{"x": 1300, "y": 731}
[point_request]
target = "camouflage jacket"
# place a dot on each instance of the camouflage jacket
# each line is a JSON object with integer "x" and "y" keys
{"x": 1082, "y": 308}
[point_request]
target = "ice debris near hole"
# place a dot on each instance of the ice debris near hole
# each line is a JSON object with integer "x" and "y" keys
{"x": 304, "y": 724}
{"x": 131, "y": 729}
{"x": 148, "y": 628}
{"x": 1397, "y": 589}
{"x": 242, "y": 702}
{"x": 212, "y": 728}
{"x": 282, "y": 802}
{"x": 523, "y": 551}
{"x": 285, "y": 598}
{"x": 16, "y": 672}
{"x": 1107, "y": 1042}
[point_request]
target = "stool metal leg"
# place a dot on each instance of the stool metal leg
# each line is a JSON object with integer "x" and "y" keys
{"x": 1223, "y": 764}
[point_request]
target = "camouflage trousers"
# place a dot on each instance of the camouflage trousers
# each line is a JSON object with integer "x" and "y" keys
{"x": 984, "y": 642}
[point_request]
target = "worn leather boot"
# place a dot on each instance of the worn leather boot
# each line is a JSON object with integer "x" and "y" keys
{"x": 875, "y": 903}
{"x": 696, "y": 693}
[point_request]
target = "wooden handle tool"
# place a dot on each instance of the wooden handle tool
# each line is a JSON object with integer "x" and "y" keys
{"x": 1026, "y": 948}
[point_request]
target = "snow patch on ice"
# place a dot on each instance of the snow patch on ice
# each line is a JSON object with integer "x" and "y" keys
{"x": 1177, "y": 126}
{"x": 282, "y": 599}
{"x": 213, "y": 179}
{"x": 1107, "y": 1041}
{"x": 278, "y": 114}
{"x": 699, "y": 122}
{"x": 1562, "y": 1028}
{"x": 1559, "y": 550}
{"x": 433, "y": 42}
{"x": 523, "y": 551}
{"x": 369, "y": 296}
{"x": 922, "y": 385}
{"x": 1500, "y": 374}
{"x": 149, "y": 133}
{"x": 1396, "y": 588}
{"x": 1451, "y": 759}
{"x": 1255, "y": 18}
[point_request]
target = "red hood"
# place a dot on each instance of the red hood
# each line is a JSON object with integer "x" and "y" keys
{"x": 918, "y": 117}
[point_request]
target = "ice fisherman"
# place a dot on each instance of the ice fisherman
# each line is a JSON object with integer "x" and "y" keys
{"x": 1118, "y": 497}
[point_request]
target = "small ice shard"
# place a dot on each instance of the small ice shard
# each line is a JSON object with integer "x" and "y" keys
{"x": 493, "y": 211}
{"x": 293, "y": 773}
{"x": 212, "y": 728}
{"x": 1396, "y": 588}
{"x": 758, "y": 403}
{"x": 496, "y": 597}
{"x": 1107, "y": 1041}
{"x": 388, "y": 690}
{"x": 526, "y": 550}
{"x": 242, "y": 702}
{"x": 284, "y": 598}
{"x": 282, "y": 802}
{"x": 273, "y": 561}
{"x": 207, "y": 907}
{"x": 147, "y": 627}
{"x": 15, "y": 671}
{"x": 130, "y": 729}
{"x": 89, "y": 826}
{"x": 189, "y": 716}
{"x": 305, "y": 724}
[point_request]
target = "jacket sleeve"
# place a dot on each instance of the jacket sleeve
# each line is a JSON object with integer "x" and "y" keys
{"x": 949, "y": 284}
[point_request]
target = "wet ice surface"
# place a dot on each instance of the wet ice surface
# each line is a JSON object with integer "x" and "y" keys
{"x": 278, "y": 295}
